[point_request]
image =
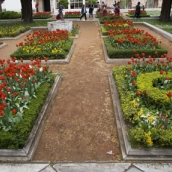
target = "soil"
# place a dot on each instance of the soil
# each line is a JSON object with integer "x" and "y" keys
{"x": 81, "y": 125}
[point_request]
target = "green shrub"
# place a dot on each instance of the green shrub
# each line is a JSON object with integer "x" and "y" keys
{"x": 10, "y": 15}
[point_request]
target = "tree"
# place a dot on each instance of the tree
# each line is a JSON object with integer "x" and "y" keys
{"x": 26, "y": 10}
{"x": 165, "y": 11}
{"x": 64, "y": 3}
{"x": 1, "y": 1}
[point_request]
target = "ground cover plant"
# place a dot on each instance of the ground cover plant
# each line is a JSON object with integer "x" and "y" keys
{"x": 42, "y": 15}
{"x": 41, "y": 43}
{"x": 143, "y": 13}
{"x": 123, "y": 38}
{"x": 145, "y": 92}
{"x": 22, "y": 85}
{"x": 12, "y": 29}
{"x": 72, "y": 14}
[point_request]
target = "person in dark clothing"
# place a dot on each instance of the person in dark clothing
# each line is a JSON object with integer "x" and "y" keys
{"x": 137, "y": 12}
{"x": 91, "y": 11}
{"x": 83, "y": 12}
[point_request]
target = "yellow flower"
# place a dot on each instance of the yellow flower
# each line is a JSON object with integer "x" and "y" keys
{"x": 151, "y": 118}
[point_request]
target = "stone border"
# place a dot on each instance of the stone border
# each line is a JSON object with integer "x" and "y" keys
{"x": 28, "y": 151}
{"x": 3, "y": 45}
{"x": 128, "y": 153}
{"x": 157, "y": 30}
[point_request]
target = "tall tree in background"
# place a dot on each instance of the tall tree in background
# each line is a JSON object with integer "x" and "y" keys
{"x": 1, "y": 1}
{"x": 165, "y": 11}
{"x": 27, "y": 10}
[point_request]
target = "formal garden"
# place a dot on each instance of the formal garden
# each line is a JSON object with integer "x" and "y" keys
{"x": 143, "y": 85}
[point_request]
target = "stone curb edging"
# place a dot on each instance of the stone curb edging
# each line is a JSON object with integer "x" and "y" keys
{"x": 28, "y": 151}
{"x": 157, "y": 30}
{"x": 3, "y": 45}
{"x": 128, "y": 153}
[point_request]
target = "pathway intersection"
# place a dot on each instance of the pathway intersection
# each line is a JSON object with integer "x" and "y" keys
{"x": 71, "y": 134}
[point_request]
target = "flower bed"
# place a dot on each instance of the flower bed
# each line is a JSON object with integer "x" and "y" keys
{"x": 72, "y": 14}
{"x": 54, "y": 45}
{"x": 24, "y": 89}
{"x": 145, "y": 92}
{"x": 123, "y": 38}
{"x": 143, "y": 13}
{"x": 12, "y": 30}
{"x": 42, "y": 15}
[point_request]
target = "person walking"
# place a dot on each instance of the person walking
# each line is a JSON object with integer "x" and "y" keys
{"x": 91, "y": 8}
{"x": 137, "y": 12}
{"x": 36, "y": 6}
{"x": 83, "y": 12}
{"x": 61, "y": 11}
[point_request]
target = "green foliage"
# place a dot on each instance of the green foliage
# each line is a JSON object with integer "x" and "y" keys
{"x": 64, "y": 3}
{"x": 16, "y": 138}
{"x": 104, "y": 31}
{"x": 10, "y": 15}
{"x": 156, "y": 95}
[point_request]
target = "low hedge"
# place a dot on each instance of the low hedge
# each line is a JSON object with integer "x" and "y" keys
{"x": 10, "y": 15}
{"x": 127, "y": 53}
{"x": 50, "y": 56}
{"x": 17, "y": 137}
{"x": 156, "y": 96}
{"x": 104, "y": 31}
{"x": 141, "y": 15}
{"x": 138, "y": 136}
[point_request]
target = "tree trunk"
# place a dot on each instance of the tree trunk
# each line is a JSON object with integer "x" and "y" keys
{"x": 165, "y": 11}
{"x": 26, "y": 10}
{"x": 0, "y": 7}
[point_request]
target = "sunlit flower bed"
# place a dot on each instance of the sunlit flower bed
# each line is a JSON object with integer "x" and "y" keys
{"x": 72, "y": 14}
{"x": 42, "y": 15}
{"x": 54, "y": 45}
{"x": 11, "y": 31}
{"x": 145, "y": 91}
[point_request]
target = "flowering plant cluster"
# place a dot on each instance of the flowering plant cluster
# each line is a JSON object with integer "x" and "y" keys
{"x": 43, "y": 42}
{"x": 133, "y": 12}
{"x": 129, "y": 38}
{"x": 42, "y": 15}
{"x": 6, "y": 31}
{"x": 146, "y": 97}
{"x": 118, "y": 24}
{"x": 18, "y": 85}
{"x": 70, "y": 14}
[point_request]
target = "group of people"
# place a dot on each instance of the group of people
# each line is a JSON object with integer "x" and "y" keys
{"x": 84, "y": 11}
{"x": 116, "y": 8}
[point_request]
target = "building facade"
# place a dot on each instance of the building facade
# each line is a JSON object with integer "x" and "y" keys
{"x": 52, "y": 5}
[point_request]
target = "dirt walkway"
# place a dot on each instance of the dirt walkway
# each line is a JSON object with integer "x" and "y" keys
{"x": 81, "y": 126}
